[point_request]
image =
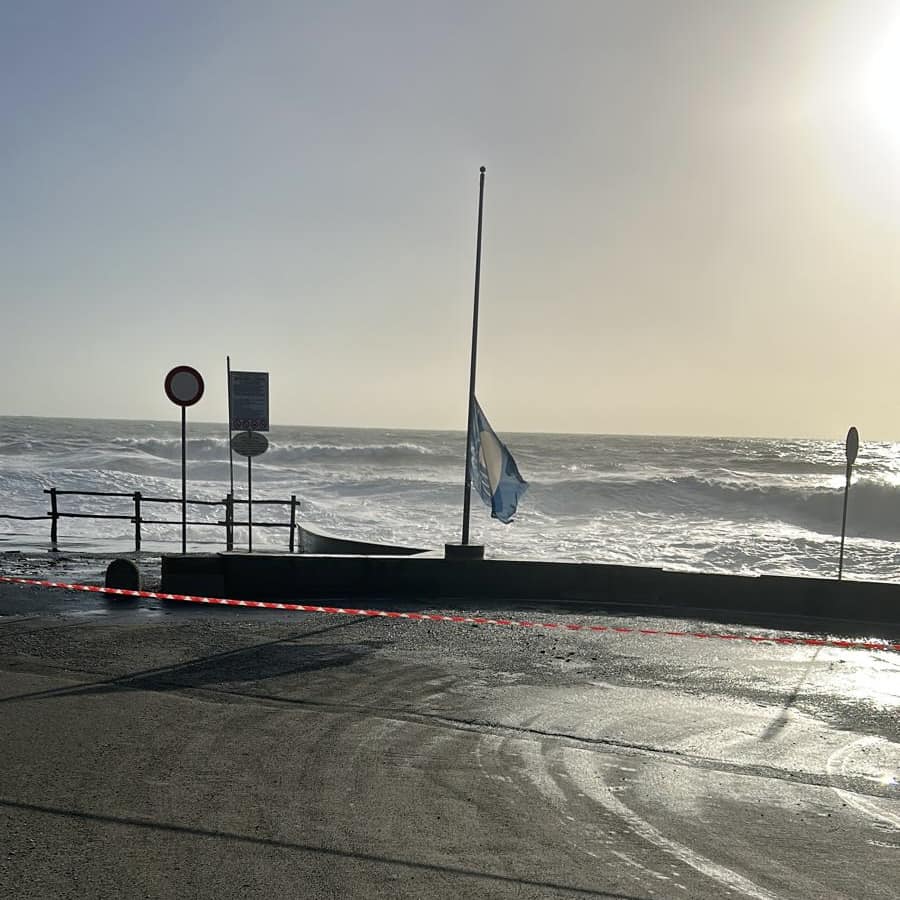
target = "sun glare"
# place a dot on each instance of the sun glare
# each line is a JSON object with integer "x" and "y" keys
{"x": 881, "y": 84}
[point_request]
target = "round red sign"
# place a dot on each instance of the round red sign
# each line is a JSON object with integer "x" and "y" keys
{"x": 184, "y": 385}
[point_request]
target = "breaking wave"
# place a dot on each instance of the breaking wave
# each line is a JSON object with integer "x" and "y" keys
{"x": 704, "y": 503}
{"x": 282, "y": 452}
{"x": 874, "y": 506}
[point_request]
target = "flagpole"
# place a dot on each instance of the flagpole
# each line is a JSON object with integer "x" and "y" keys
{"x": 230, "y": 450}
{"x": 468, "y": 481}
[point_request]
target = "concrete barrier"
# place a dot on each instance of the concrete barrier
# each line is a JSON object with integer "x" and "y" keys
{"x": 193, "y": 573}
{"x": 763, "y": 600}
{"x": 124, "y": 574}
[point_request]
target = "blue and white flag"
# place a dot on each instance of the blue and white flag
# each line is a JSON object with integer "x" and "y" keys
{"x": 495, "y": 474}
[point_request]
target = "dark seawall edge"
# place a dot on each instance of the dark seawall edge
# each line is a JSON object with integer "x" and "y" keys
{"x": 870, "y": 608}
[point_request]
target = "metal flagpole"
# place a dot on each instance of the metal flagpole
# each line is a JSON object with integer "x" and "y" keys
{"x": 468, "y": 480}
{"x": 230, "y": 450}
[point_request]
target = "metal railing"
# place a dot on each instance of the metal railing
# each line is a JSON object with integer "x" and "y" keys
{"x": 137, "y": 517}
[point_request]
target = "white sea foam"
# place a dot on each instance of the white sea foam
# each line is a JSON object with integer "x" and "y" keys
{"x": 700, "y": 503}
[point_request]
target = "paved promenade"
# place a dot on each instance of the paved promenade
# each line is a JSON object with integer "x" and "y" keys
{"x": 159, "y": 751}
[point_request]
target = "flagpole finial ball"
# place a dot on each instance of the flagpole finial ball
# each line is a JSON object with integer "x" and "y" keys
{"x": 482, "y": 170}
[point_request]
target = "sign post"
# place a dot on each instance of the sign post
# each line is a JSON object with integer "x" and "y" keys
{"x": 184, "y": 387}
{"x": 851, "y": 448}
{"x": 249, "y": 444}
{"x": 230, "y": 451}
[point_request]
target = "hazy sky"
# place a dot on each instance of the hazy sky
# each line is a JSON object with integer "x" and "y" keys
{"x": 692, "y": 218}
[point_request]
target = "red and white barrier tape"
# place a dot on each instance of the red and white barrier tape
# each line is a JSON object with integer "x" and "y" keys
{"x": 462, "y": 620}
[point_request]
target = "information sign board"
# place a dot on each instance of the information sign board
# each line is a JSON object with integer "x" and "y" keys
{"x": 249, "y": 401}
{"x": 249, "y": 443}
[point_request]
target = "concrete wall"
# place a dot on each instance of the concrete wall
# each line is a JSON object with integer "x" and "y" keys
{"x": 588, "y": 585}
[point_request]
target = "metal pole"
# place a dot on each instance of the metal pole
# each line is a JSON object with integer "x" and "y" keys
{"x": 54, "y": 518}
{"x": 468, "y": 480}
{"x": 293, "y": 521}
{"x": 184, "y": 479}
{"x": 137, "y": 521}
{"x": 844, "y": 521}
{"x": 230, "y": 450}
{"x": 851, "y": 449}
{"x": 229, "y": 522}
{"x": 250, "y": 504}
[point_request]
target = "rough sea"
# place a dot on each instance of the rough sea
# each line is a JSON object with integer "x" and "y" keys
{"x": 706, "y": 504}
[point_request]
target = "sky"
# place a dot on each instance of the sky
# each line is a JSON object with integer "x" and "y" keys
{"x": 692, "y": 211}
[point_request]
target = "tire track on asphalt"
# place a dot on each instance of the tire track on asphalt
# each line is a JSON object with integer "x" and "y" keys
{"x": 836, "y": 765}
{"x": 441, "y": 776}
{"x": 610, "y": 745}
{"x": 600, "y": 792}
{"x": 855, "y": 785}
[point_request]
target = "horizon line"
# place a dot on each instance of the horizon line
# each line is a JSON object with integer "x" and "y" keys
{"x": 462, "y": 431}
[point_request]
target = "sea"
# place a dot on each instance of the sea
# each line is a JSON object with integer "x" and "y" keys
{"x": 734, "y": 505}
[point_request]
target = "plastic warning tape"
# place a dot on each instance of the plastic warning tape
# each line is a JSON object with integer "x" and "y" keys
{"x": 461, "y": 620}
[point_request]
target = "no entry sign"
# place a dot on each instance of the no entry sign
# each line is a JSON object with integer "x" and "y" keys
{"x": 184, "y": 385}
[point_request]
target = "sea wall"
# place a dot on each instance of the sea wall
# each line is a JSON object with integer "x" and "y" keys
{"x": 587, "y": 586}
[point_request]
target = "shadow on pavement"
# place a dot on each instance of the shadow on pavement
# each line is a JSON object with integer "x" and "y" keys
{"x": 311, "y": 848}
{"x": 779, "y": 722}
{"x": 257, "y": 662}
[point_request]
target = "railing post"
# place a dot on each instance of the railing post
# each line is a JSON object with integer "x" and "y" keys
{"x": 229, "y": 522}
{"x": 137, "y": 521}
{"x": 54, "y": 518}
{"x": 293, "y": 520}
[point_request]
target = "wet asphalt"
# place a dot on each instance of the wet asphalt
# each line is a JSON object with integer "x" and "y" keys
{"x": 159, "y": 750}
